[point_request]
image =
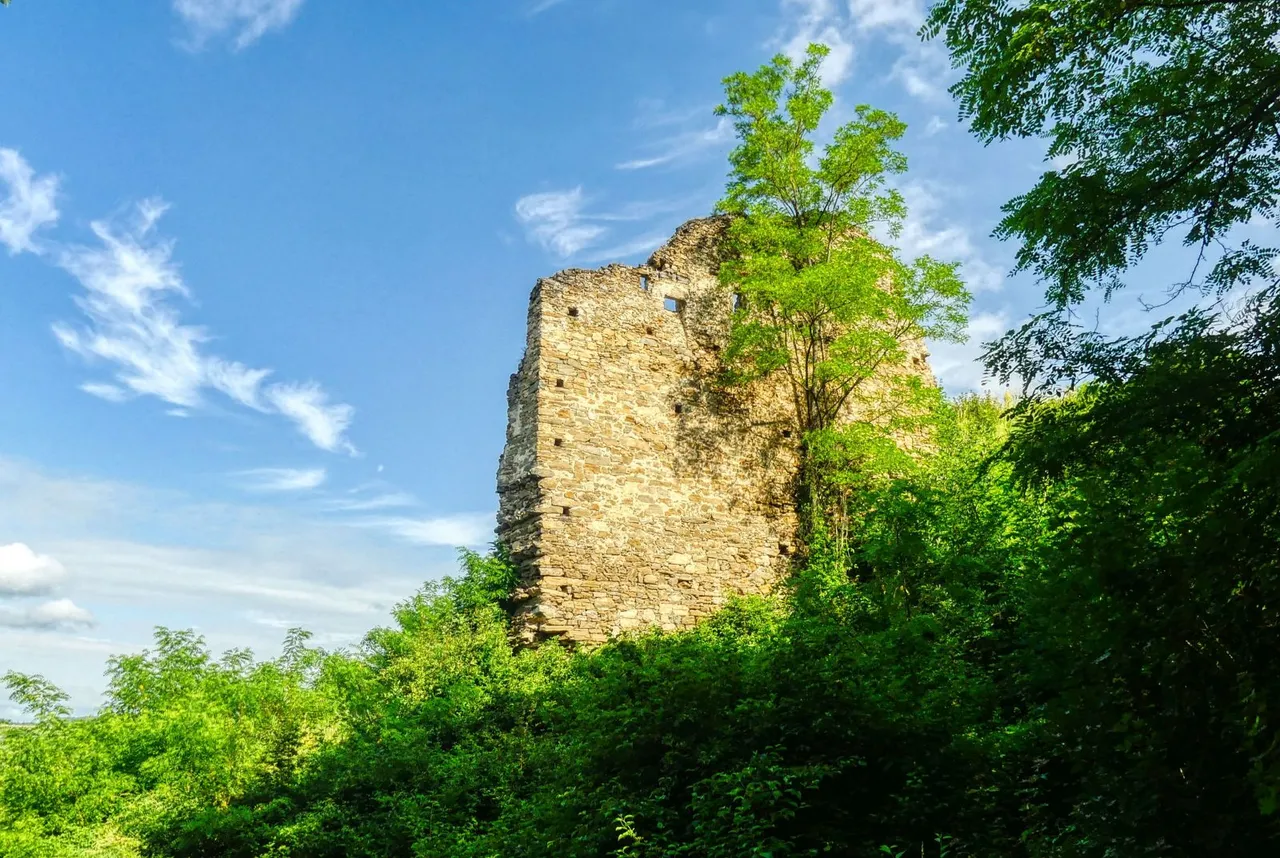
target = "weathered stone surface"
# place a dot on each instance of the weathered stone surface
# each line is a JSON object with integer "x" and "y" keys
{"x": 633, "y": 490}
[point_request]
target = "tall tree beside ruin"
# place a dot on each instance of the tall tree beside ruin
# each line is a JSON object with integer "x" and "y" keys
{"x": 823, "y": 298}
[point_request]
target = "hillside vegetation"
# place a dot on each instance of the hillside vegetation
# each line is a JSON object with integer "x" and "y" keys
{"x": 1052, "y": 634}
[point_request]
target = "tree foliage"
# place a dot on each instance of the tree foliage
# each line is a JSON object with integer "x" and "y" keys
{"x": 821, "y": 301}
{"x": 1166, "y": 115}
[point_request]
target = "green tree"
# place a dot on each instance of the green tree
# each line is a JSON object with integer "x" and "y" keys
{"x": 1168, "y": 114}
{"x": 820, "y": 300}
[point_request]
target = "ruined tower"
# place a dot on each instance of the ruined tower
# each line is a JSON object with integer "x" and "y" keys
{"x": 633, "y": 490}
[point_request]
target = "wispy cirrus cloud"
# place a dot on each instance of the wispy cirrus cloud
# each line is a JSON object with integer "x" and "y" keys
{"x": 243, "y": 22}
{"x": 282, "y": 479}
{"x": 555, "y": 219}
{"x": 450, "y": 531}
{"x": 560, "y": 222}
{"x": 541, "y": 6}
{"x": 129, "y": 278}
{"x": 131, "y": 326}
{"x": 28, "y": 204}
{"x": 355, "y": 502}
{"x": 683, "y": 146}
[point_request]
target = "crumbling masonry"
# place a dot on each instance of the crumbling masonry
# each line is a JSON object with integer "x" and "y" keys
{"x": 634, "y": 491}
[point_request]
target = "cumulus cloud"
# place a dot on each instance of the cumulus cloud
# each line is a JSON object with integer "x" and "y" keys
{"x": 58, "y": 614}
{"x": 129, "y": 279}
{"x": 23, "y": 572}
{"x": 959, "y": 366}
{"x": 27, "y": 203}
{"x": 241, "y": 21}
{"x": 926, "y": 232}
{"x": 283, "y": 479}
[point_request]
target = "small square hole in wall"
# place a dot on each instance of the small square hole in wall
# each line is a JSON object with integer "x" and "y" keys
{"x": 559, "y": 382}
{"x": 672, "y": 305}
{"x": 564, "y": 510}
{"x": 644, "y": 282}
{"x": 559, "y": 442}
{"x": 784, "y": 549}
{"x": 786, "y": 433}
{"x": 679, "y": 408}
{"x": 649, "y": 331}
{"x": 573, "y": 312}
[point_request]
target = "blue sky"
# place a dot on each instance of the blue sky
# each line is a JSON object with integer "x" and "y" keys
{"x": 264, "y": 269}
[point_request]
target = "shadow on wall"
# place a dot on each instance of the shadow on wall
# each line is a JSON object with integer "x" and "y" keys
{"x": 721, "y": 428}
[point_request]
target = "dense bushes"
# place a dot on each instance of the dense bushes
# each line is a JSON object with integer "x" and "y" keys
{"x": 1054, "y": 644}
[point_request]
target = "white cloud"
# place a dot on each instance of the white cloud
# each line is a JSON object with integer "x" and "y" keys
{"x": 28, "y": 203}
{"x": 109, "y": 392}
{"x": 128, "y": 279}
{"x": 543, "y": 5}
{"x": 467, "y": 529}
{"x": 555, "y": 220}
{"x": 144, "y": 557}
{"x": 959, "y": 366}
{"x": 936, "y": 126}
{"x": 923, "y": 69}
{"x": 684, "y": 146}
{"x": 905, "y": 15}
{"x": 809, "y": 21}
{"x": 923, "y": 234}
{"x": 58, "y": 614}
{"x": 388, "y": 500}
{"x": 626, "y": 250}
{"x": 26, "y": 573}
{"x": 243, "y": 21}
{"x": 325, "y": 423}
{"x": 283, "y": 479}
{"x": 558, "y": 220}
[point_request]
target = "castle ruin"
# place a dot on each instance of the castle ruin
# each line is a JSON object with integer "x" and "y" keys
{"x": 633, "y": 490}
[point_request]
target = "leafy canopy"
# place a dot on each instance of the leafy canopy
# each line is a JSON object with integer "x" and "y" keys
{"x": 1167, "y": 113}
{"x": 820, "y": 300}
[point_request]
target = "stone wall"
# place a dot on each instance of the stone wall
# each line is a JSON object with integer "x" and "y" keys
{"x": 633, "y": 491}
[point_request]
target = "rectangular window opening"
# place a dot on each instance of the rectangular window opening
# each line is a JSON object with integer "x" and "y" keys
{"x": 564, "y": 510}
{"x": 786, "y": 433}
{"x": 679, "y": 408}
{"x": 644, "y": 282}
{"x": 672, "y": 305}
{"x": 649, "y": 331}
{"x": 573, "y": 312}
{"x": 738, "y": 301}
{"x": 559, "y": 382}
{"x": 559, "y": 442}
{"x": 784, "y": 549}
